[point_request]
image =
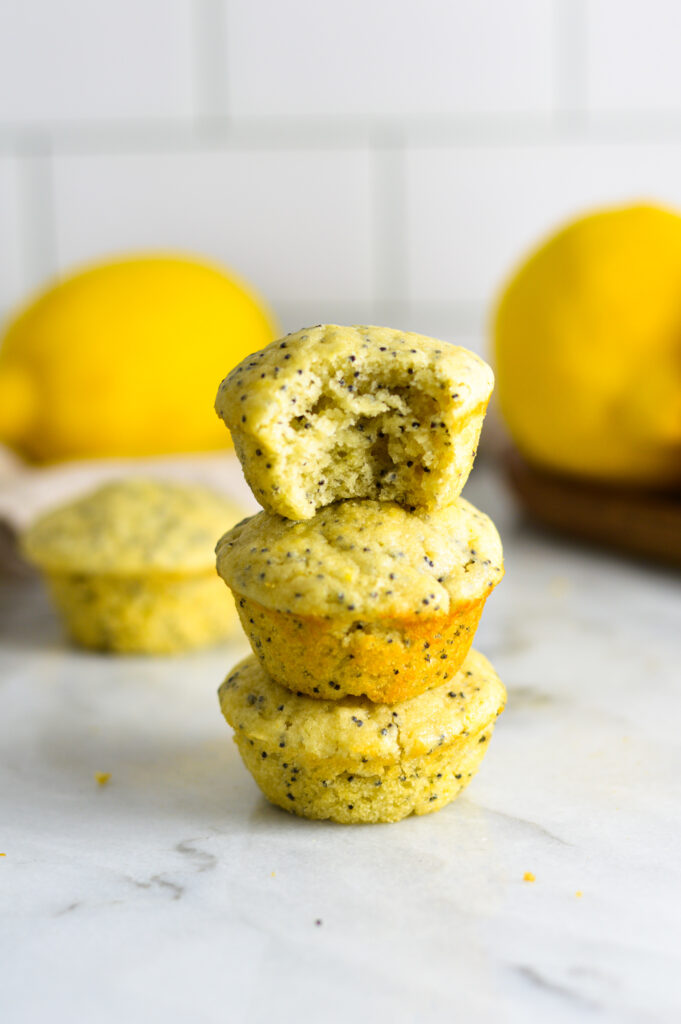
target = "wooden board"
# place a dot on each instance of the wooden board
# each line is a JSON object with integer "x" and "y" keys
{"x": 639, "y": 522}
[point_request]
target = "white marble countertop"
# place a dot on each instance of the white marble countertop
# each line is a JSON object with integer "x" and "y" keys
{"x": 176, "y": 894}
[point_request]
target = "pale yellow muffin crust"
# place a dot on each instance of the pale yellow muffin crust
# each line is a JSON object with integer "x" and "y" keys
{"x": 158, "y": 614}
{"x": 337, "y": 412}
{"x": 130, "y": 566}
{"x": 354, "y": 761}
{"x": 364, "y": 559}
{"x": 364, "y": 598}
{"x": 131, "y": 526}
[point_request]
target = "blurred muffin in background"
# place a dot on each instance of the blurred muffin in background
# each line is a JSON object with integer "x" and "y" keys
{"x": 131, "y": 566}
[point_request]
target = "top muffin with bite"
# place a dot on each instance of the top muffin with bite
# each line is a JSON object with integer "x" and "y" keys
{"x": 335, "y": 412}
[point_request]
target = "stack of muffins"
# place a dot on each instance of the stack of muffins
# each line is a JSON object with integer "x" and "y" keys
{"x": 361, "y": 584}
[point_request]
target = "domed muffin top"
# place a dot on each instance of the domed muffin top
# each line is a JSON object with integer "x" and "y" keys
{"x": 364, "y": 559}
{"x": 132, "y": 526}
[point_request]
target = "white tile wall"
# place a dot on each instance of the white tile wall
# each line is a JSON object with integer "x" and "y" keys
{"x": 473, "y": 212}
{"x": 12, "y": 268}
{"x": 377, "y": 160}
{"x": 311, "y": 310}
{"x": 295, "y": 223}
{"x": 364, "y": 57}
{"x": 633, "y": 55}
{"x": 79, "y": 59}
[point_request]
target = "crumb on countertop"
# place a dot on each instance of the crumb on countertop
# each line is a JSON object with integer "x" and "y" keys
{"x": 528, "y": 877}
{"x": 101, "y": 778}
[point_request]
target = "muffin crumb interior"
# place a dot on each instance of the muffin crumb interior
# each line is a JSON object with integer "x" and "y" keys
{"x": 375, "y": 434}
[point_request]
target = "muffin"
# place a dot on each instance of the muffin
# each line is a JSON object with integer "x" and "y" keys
{"x": 366, "y": 598}
{"x": 130, "y": 566}
{"x": 355, "y": 412}
{"x": 353, "y": 761}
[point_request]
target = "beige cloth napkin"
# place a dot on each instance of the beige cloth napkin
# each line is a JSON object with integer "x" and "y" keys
{"x": 27, "y": 491}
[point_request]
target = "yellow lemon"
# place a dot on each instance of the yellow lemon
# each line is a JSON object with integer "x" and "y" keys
{"x": 125, "y": 358}
{"x": 588, "y": 348}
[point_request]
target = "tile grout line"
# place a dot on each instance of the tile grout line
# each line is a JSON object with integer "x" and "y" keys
{"x": 570, "y": 67}
{"x": 388, "y": 196}
{"x": 205, "y": 133}
{"x": 211, "y": 93}
{"x": 37, "y": 213}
